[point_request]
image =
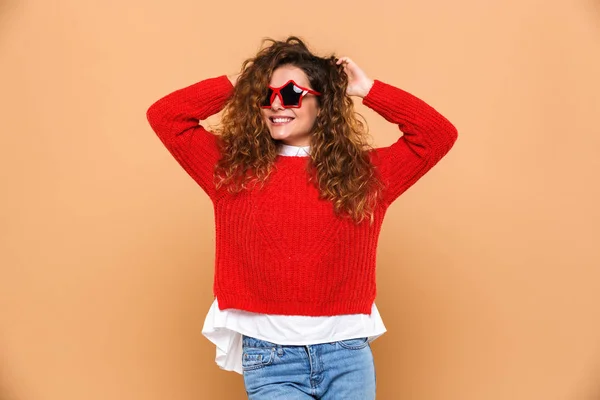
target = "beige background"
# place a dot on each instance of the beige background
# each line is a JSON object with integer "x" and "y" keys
{"x": 489, "y": 268}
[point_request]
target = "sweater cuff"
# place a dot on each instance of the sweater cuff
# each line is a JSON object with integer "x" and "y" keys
{"x": 224, "y": 81}
{"x": 216, "y": 91}
{"x": 199, "y": 100}
{"x": 383, "y": 96}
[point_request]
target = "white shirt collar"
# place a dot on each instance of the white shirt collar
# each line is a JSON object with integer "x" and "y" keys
{"x": 294, "y": 151}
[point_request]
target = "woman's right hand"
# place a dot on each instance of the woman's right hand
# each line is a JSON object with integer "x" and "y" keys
{"x": 233, "y": 78}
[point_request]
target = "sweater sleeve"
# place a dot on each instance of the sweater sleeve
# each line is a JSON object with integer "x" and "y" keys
{"x": 427, "y": 137}
{"x": 175, "y": 119}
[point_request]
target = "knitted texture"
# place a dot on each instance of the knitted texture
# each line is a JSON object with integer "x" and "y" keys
{"x": 280, "y": 249}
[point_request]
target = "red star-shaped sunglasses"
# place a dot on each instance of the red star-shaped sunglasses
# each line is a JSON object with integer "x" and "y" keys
{"x": 290, "y": 95}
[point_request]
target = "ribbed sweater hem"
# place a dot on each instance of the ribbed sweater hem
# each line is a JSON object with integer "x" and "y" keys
{"x": 360, "y": 306}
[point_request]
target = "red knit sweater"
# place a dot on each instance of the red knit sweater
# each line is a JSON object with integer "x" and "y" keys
{"x": 282, "y": 250}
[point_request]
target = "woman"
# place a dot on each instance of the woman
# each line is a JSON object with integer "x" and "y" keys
{"x": 299, "y": 199}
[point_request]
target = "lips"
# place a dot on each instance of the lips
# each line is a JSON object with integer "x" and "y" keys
{"x": 280, "y": 120}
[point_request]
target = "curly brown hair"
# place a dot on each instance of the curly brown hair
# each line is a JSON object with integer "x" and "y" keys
{"x": 340, "y": 164}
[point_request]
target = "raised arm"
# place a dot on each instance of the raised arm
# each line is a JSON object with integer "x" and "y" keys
{"x": 428, "y": 136}
{"x": 175, "y": 119}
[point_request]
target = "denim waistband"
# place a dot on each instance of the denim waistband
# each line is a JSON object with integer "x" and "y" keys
{"x": 249, "y": 341}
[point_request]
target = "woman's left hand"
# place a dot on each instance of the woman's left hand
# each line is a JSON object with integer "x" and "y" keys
{"x": 359, "y": 84}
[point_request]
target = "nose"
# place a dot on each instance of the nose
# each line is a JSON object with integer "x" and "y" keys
{"x": 276, "y": 104}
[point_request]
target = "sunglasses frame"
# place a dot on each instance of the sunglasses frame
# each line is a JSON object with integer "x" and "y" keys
{"x": 277, "y": 92}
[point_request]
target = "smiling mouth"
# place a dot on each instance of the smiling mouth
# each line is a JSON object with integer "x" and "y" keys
{"x": 280, "y": 120}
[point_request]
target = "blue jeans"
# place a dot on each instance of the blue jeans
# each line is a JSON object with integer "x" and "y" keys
{"x": 327, "y": 371}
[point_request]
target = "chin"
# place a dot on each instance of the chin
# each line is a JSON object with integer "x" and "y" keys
{"x": 290, "y": 138}
{"x": 280, "y": 137}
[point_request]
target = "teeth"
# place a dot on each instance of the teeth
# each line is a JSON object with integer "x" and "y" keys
{"x": 281, "y": 120}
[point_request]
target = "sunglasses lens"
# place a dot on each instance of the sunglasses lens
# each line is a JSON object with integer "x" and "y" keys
{"x": 267, "y": 100}
{"x": 291, "y": 94}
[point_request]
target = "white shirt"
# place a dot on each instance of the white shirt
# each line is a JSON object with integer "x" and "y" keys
{"x": 225, "y": 328}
